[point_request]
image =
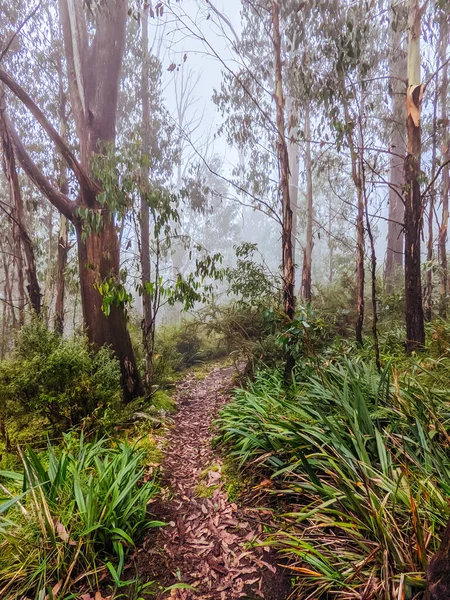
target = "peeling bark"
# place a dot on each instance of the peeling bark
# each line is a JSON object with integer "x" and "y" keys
{"x": 397, "y": 68}
{"x": 283, "y": 160}
{"x": 415, "y": 328}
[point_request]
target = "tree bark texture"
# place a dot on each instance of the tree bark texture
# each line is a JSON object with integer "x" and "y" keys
{"x": 93, "y": 76}
{"x": 358, "y": 182}
{"x": 147, "y": 318}
{"x": 446, "y": 173}
{"x": 283, "y": 159}
{"x": 415, "y": 328}
{"x": 307, "y": 257}
{"x": 397, "y": 68}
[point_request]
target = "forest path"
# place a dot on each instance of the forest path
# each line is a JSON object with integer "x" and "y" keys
{"x": 209, "y": 543}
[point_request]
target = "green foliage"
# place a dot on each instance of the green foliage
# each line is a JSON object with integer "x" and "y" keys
{"x": 161, "y": 401}
{"x": 362, "y": 462}
{"x": 76, "y": 508}
{"x": 251, "y": 281}
{"x": 305, "y": 335}
{"x": 60, "y": 380}
{"x": 249, "y": 334}
{"x": 335, "y": 304}
{"x": 178, "y": 347}
{"x": 114, "y": 293}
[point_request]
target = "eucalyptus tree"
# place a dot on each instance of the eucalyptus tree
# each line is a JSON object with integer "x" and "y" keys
{"x": 397, "y": 69}
{"x": 444, "y": 17}
{"x": 415, "y": 328}
{"x": 94, "y": 45}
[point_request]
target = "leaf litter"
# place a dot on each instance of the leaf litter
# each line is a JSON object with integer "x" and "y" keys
{"x": 210, "y": 544}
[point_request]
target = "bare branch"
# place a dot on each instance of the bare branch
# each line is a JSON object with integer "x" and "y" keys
{"x": 18, "y": 30}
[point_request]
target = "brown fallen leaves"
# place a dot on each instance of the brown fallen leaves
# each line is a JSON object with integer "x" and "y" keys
{"x": 210, "y": 543}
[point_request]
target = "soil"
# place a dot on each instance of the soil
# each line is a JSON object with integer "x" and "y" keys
{"x": 210, "y": 543}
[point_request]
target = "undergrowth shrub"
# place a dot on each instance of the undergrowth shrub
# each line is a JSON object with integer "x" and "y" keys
{"x": 59, "y": 380}
{"x": 71, "y": 513}
{"x": 361, "y": 463}
{"x": 180, "y": 346}
{"x": 248, "y": 334}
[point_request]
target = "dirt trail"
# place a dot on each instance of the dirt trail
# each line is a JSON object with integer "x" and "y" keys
{"x": 210, "y": 542}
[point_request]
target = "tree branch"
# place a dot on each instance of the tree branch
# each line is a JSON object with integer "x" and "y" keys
{"x": 84, "y": 180}
{"x": 59, "y": 200}
{"x": 18, "y": 30}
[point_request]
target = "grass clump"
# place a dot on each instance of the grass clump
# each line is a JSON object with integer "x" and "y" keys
{"x": 162, "y": 401}
{"x": 361, "y": 463}
{"x": 69, "y": 515}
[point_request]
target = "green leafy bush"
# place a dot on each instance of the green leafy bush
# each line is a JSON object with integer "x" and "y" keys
{"x": 305, "y": 335}
{"x": 61, "y": 380}
{"x": 70, "y": 512}
{"x": 178, "y": 347}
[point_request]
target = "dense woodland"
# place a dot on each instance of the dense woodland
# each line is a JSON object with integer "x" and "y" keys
{"x": 193, "y": 185}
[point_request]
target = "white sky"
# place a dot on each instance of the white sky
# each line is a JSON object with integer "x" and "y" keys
{"x": 178, "y": 41}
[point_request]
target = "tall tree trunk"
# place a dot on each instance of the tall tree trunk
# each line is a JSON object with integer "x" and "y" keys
{"x": 283, "y": 159}
{"x": 428, "y": 296}
{"x": 330, "y": 243}
{"x": 94, "y": 76}
{"x": 98, "y": 255}
{"x": 147, "y": 318}
{"x": 63, "y": 235}
{"x": 307, "y": 258}
{"x": 415, "y": 328}
{"x": 357, "y": 180}
{"x": 294, "y": 157}
{"x": 373, "y": 254}
{"x": 446, "y": 173}
{"x": 9, "y": 284}
{"x": 397, "y": 68}
{"x": 48, "y": 290}
{"x": 18, "y": 259}
{"x": 23, "y": 239}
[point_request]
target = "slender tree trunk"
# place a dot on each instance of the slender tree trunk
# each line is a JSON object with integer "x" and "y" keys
{"x": 373, "y": 262}
{"x": 397, "y": 67}
{"x": 294, "y": 157}
{"x": 23, "y": 240}
{"x": 330, "y": 243}
{"x": 307, "y": 258}
{"x": 147, "y": 320}
{"x": 415, "y": 329}
{"x": 283, "y": 159}
{"x": 48, "y": 291}
{"x": 18, "y": 259}
{"x": 63, "y": 235}
{"x": 446, "y": 173}
{"x": 9, "y": 300}
{"x": 356, "y": 176}
{"x": 428, "y": 298}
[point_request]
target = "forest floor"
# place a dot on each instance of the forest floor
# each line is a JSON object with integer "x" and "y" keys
{"x": 210, "y": 543}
